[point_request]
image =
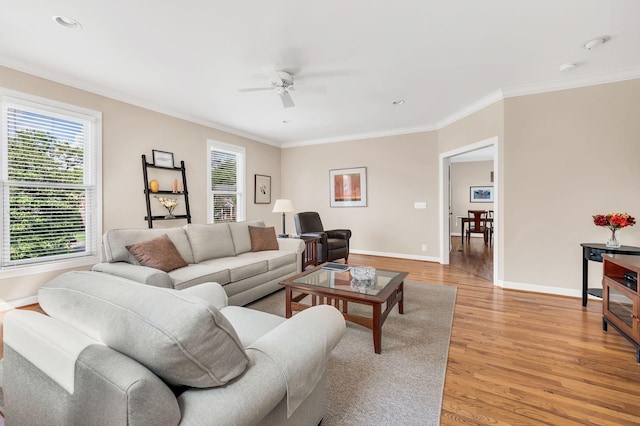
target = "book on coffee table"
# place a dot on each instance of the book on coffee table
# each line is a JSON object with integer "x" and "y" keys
{"x": 338, "y": 267}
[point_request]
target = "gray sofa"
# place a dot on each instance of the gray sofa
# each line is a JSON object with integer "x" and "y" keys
{"x": 219, "y": 253}
{"x": 115, "y": 352}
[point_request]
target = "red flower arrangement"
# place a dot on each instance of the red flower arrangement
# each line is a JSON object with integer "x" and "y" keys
{"x": 614, "y": 220}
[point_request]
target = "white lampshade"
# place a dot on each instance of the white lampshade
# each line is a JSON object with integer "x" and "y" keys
{"x": 283, "y": 206}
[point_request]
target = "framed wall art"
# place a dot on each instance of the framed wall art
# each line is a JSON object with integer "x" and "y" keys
{"x": 481, "y": 194}
{"x": 163, "y": 159}
{"x": 262, "y": 193}
{"x": 348, "y": 187}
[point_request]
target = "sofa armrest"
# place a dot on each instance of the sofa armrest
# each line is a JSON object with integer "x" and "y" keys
{"x": 211, "y": 292}
{"x": 54, "y": 374}
{"x": 291, "y": 244}
{"x": 138, "y": 273}
{"x": 300, "y": 347}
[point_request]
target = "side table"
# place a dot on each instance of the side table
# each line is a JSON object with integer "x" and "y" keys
{"x": 310, "y": 253}
{"x": 591, "y": 251}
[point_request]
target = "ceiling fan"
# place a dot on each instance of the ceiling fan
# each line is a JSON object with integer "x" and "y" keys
{"x": 279, "y": 81}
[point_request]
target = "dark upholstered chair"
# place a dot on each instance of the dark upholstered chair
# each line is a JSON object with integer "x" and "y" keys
{"x": 333, "y": 244}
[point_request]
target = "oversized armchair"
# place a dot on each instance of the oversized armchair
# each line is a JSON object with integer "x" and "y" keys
{"x": 333, "y": 244}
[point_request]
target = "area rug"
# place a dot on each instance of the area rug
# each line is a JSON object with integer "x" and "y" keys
{"x": 402, "y": 385}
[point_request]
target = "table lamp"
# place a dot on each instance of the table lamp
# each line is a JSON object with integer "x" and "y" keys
{"x": 283, "y": 206}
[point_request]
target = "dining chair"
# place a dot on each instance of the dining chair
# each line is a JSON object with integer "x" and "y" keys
{"x": 477, "y": 224}
{"x": 490, "y": 227}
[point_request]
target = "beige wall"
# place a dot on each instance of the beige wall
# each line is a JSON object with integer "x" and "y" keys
{"x": 463, "y": 176}
{"x": 128, "y": 132}
{"x": 563, "y": 156}
{"x": 568, "y": 155}
{"x": 401, "y": 170}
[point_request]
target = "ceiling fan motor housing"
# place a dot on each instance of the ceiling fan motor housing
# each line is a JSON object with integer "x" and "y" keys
{"x": 287, "y": 79}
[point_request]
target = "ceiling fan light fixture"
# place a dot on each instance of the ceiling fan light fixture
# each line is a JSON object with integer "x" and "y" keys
{"x": 67, "y": 22}
{"x": 595, "y": 42}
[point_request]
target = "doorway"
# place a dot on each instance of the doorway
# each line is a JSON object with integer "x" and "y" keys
{"x": 472, "y": 255}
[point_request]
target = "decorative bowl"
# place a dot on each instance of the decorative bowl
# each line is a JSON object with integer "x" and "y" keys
{"x": 363, "y": 273}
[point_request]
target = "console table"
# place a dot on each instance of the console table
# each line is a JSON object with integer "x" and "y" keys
{"x": 591, "y": 251}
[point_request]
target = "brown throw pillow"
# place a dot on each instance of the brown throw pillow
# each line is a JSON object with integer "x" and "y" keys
{"x": 263, "y": 238}
{"x": 159, "y": 253}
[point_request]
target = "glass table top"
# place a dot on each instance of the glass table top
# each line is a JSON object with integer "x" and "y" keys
{"x": 345, "y": 282}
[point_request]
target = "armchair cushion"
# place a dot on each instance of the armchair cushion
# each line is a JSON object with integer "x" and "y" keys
{"x": 183, "y": 339}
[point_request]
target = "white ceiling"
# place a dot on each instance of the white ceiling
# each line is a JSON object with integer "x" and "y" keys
{"x": 442, "y": 57}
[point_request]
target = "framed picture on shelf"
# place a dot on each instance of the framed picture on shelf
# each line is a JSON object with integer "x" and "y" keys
{"x": 348, "y": 187}
{"x": 262, "y": 193}
{"x": 481, "y": 194}
{"x": 163, "y": 159}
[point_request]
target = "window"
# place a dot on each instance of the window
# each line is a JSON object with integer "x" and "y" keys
{"x": 226, "y": 182}
{"x": 50, "y": 188}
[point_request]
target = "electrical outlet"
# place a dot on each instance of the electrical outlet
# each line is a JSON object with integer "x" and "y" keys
{"x": 424, "y": 247}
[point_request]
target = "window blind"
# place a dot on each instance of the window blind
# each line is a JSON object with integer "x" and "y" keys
{"x": 225, "y": 167}
{"x": 48, "y": 185}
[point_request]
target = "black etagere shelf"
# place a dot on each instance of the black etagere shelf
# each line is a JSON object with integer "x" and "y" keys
{"x": 147, "y": 191}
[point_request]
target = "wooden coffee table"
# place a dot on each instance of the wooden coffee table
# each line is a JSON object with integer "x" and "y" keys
{"x": 325, "y": 287}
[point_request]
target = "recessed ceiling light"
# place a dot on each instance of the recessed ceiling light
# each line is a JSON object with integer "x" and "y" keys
{"x": 567, "y": 67}
{"x": 398, "y": 102}
{"x": 287, "y": 121}
{"x": 595, "y": 42}
{"x": 67, "y": 22}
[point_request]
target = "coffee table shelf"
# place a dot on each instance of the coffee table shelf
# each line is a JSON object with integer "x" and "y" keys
{"x": 318, "y": 286}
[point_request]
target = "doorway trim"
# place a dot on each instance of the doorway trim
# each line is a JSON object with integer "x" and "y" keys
{"x": 444, "y": 181}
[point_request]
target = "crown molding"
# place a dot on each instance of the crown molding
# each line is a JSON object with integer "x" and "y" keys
{"x": 472, "y": 108}
{"x": 496, "y": 96}
{"x": 360, "y": 136}
{"x": 574, "y": 83}
{"x": 122, "y": 97}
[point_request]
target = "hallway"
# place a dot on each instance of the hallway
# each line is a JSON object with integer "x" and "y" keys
{"x": 475, "y": 258}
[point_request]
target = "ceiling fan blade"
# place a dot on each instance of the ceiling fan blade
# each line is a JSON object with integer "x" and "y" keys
{"x": 287, "y": 102}
{"x": 273, "y": 76}
{"x": 255, "y": 89}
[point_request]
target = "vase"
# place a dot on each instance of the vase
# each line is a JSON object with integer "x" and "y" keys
{"x": 170, "y": 215}
{"x": 613, "y": 242}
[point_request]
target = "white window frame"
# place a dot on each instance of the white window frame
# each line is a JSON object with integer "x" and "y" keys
{"x": 93, "y": 170}
{"x": 240, "y": 176}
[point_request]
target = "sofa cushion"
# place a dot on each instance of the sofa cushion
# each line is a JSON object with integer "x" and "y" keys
{"x": 240, "y": 267}
{"x": 240, "y": 234}
{"x": 115, "y": 242}
{"x": 275, "y": 258}
{"x": 200, "y": 273}
{"x": 183, "y": 339}
{"x": 159, "y": 253}
{"x": 263, "y": 238}
{"x": 211, "y": 241}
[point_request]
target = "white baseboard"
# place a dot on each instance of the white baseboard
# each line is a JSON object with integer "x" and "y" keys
{"x": 396, "y": 255}
{"x": 535, "y": 288}
{"x": 17, "y": 303}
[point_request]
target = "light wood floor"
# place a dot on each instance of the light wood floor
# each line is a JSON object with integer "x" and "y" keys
{"x": 519, "y": 358}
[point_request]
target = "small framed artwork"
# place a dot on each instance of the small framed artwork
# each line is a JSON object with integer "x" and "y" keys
{"x": 163, "y": 159}
{"x": 481, "y": 194}
{"x": 348, "y": 187}
{"x": 263, "y": 189}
